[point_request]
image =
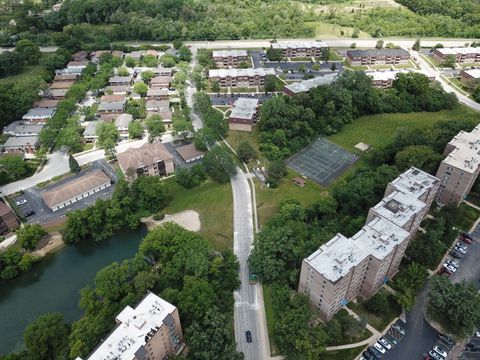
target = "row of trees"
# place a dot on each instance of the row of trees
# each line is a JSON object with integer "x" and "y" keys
{"x": 177, "y": 264}
{"x": 289, "y": 123}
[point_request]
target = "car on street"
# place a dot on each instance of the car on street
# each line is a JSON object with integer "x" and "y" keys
{"x": 434, "y": 355}
{"x": 20, "y": 202}
{"x": 248, "y": 335}
{"x": 440, "y": 351}
{"x": 449, "y": 268}
{"x": 385, "y": 343}
{"x": 380, "y": 348}
{"x": 453, "y": 263}
{"x": 456, "y": 254}
{"x": 399, "y": 329}
{"x": 449, "y": 342}
{"x": 377, "y": 354}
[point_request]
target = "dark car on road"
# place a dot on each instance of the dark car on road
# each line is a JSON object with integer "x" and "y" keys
{"x": 248, "y": 335}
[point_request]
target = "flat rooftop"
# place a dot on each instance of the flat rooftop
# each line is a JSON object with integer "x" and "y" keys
{"x": 228, "y": 53}
{"x": 399, "y": 207}
{"x": 135, "y": 326}
{"x": 466, "y": 153}
{"x": 392, "y": 74}
{"x": 298, "y": 44}
{"x": 379, "y": 52}
{"x": 415, "y": 181}
{"x": 335, "y": 258}
{"x": 244, "y": 108}
{"x": 458, "y": 50}
{"x": 474, "y": 73}
{"x": 307, "y": 85}
{"x": 241, "y": 72}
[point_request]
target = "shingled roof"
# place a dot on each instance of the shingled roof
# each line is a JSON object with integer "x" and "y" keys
{"x": 146, "y": 155}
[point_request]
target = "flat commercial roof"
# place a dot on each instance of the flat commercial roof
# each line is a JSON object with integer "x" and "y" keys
{"x": 133, "y": 331}
{"x": 474, "y": 73}
{"x": 415, "y": 181}
{"x": 458, "y": 50}
{"x": 379, "y": 52}
{"x": 57, "y": 195}
{"x": 466, "y": 155}
{"x": 298, "y": 44}
{"x": 228, "y": 53}
{"x": 241, "y": 72}
{"x": 244, "y": 108}
{"x": 307, "y": 85}
{"x": 392, "y": 74}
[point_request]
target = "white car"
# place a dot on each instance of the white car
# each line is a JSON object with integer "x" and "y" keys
{"x": 453, "y": 263}
{"x": 450, "y": 268}
{"x": 440, "y": 351}
{"x": 20, "y": 202}
{"x": 435, "y": 355}
{"x": 380, "y": 348}
{"x": 385, "y": 343}
{"x": 460, "y": 249}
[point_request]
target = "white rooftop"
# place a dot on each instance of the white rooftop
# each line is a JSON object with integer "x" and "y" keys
{"x": 335, "y": 258}
{"x": 298, "y": 44}
{"x": 466, "y": 155}
{"x": 474, "y": 73}
{"x": 135, "y": 325}
{"x": 415, "y": 181}
{"x": 459, "y": 50}
{"x": 228, "y": 53}
{"x": 244, "y": 108}
{"x": 307, "y": 85}
{"x": 240, "y": 72}
{"x": 391, "y": 74}
{"x": 399, "y": 207}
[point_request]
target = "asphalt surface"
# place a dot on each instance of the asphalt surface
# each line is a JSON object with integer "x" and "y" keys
{"x": 469, "y": 269}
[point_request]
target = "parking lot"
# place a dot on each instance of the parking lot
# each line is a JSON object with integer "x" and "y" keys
{"x": 43, "y": 214}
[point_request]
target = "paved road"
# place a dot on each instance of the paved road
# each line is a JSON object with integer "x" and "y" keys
{"x": 469, "y": 269}
{"x": 247, "y": 300}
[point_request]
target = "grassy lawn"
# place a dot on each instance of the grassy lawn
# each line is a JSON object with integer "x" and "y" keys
{"x": 410, "y": 65}
{"x": 333, "y": 56}
{"x": 214, "y": 204}
{"x": 380, "y": 67}
{"x": 470, "y": 215}
{"x": 242, "y": 90}
{"x": 379, "y": 130}
{"x": 267, "y": 300}
{"x": 268, "y": 199}
{"x": 88, "y": 146}
{"x": 335, "y": 31}
{"x": 300, "y": 58}
{"x": 234, "y": 138}
{"x": 359, "y": 67}
{"x": 347, "y": 354}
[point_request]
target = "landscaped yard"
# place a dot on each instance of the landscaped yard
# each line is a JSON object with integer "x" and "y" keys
{"x": 347, "y": 354}
{"x": 213, "y": 202}
{"x": 234, "y": 138}
{"x": 379, "y": 130}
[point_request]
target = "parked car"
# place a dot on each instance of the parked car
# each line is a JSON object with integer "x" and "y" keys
{"x": 460, "y": 249}
{"x": 361, "y": 358}
{"x": 466, "y": 235}
{"x": 248, "y": 335}
{"x": 449, "y": 342}
{"x": 444, "y": 271}
{"x": 20, "y": 202}
{"x": 399, "y": 329}
{"x": 368, "y": 356}
{"x": 453, "y": 263}
{"x": 465, "y": 239}
{"x": 385, "y": 343}
{"x": 380, "y": 348}
{"x": 456, "y": 254}
{"x": 449, "y": 268}
{"x": 440, "y": 351}
{"x": 434, "y": 355}
{"x": 376, "y": 354}
{"x": 461, "y": 245}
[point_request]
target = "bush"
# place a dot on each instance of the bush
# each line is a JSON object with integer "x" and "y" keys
{"x": 158, "y": 216}
{"x": 29, "y": 235}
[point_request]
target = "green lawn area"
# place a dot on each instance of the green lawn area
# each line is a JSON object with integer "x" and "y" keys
{"x": 267, "y": 300}
{"x": 470, "y": 215}
{"x": 335, "y": 31}
{"x": 380, "y": 67}
{"x": 333, "y": 56}
{"x": 242, "y": 90}
{"x": 234, "y": 138}
{"x": 409, "y": 65}
{"x": 300, "y": 58}
{"x": 213, "y": 202}
{"x": 347, "y": 354}
{"x": 379, "y": 130}
{"x": 359, "y": 67}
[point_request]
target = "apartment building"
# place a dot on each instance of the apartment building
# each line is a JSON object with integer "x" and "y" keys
{"x": 251, "y": 77}
{"x": 147, "y": 160}
{"x": 460, "y": 167}
{"x": 462, "y": 55}
{"x": 345, "y": 268}
{"x": 243, "y": 115}
{"x": 150, "y": 331}
{"x": 378, "y": 57}
{"x": 470, "y": 77}
{"x": 293, "y": 49}
{"x": 38, "y": 115}
{"x": 384, "y": 79}
{"x": 306, "y": 85}
{"x": 225, "y": 58}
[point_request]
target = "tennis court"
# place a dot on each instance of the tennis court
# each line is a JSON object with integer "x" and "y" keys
{"x": 322, "y": 161}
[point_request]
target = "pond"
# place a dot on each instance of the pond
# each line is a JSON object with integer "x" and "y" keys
{"x": 53, "y": 284}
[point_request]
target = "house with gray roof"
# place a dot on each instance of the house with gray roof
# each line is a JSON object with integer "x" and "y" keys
{"x": 39, "y": 115}
{"x": 378, "y": 57}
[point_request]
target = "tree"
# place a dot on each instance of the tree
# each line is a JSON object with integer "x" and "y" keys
{"x": 378, "y": 303}
{"x": 204, "y": 138}
{"x": 196, "y": 297}
{"x": 46, "y": 337}
{"x": 379, "y": 44}
{"x": 29, "y": 235}
{"x": 274, "y": 54}
{"x": 277, "y": 169}
{"x": 177, "y": 44}
{"x": 270, "y": 83}
{"x": 246, "y": 152}
{"x": 423, "y": 157}
{"x": 476, "y": 94}
{"x": 130, "y": 62}
{"x": 219, "y": 164}
{"x": 155, "y": 127}
{"x": 135, "y": 130}
{"x": 215, "y": 86}
{"x": 140, "y": 88}
{"x": 168, "y": 61}
{"x": 416, "y": 45}
{"x": 73, "y": 164}
{"x": 184, "y": 54}
{"x": 28, "y": 51}
{"x": 449, "y": 61}
{"x": 123, "y": 71}
{"x": 107, "y": 131}
{"x": 14, "y": 166}
{"x": 147, "y": 76}
{"x": 182, "y": 128}
{"x": 190, "y": 177}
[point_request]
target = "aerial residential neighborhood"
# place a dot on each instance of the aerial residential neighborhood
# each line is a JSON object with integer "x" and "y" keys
{"x": 239, "y": 180}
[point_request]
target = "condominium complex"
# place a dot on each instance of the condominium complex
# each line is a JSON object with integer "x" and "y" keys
{"x": 462, "y": 55}
{"x": 149, "y": 159}
{"x": 150, "y": 331}
{"x": 470, "y": 76}
{"x": 384, "y": 79}
{"x": 240, "y": 77}
{"x": 460, "y": 167}
{"x": 345, "y": 268}
{"x": 224, "y": 58}
{"x": 292, "y": 49}
{"x": 243, "y": 115}
{"x": 307, "y": 85}
{"x": 378, "y": 57}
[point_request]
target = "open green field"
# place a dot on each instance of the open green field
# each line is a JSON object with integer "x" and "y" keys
{"x": 334, "y": 31}
{"x": 347, "y": 354}
{"x": 379, "y": 130}
{"x": 213, "y": 202}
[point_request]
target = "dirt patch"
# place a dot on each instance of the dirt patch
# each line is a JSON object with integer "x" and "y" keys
{"x": 50, "y": 243}
{"x": 188, "y": 219}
